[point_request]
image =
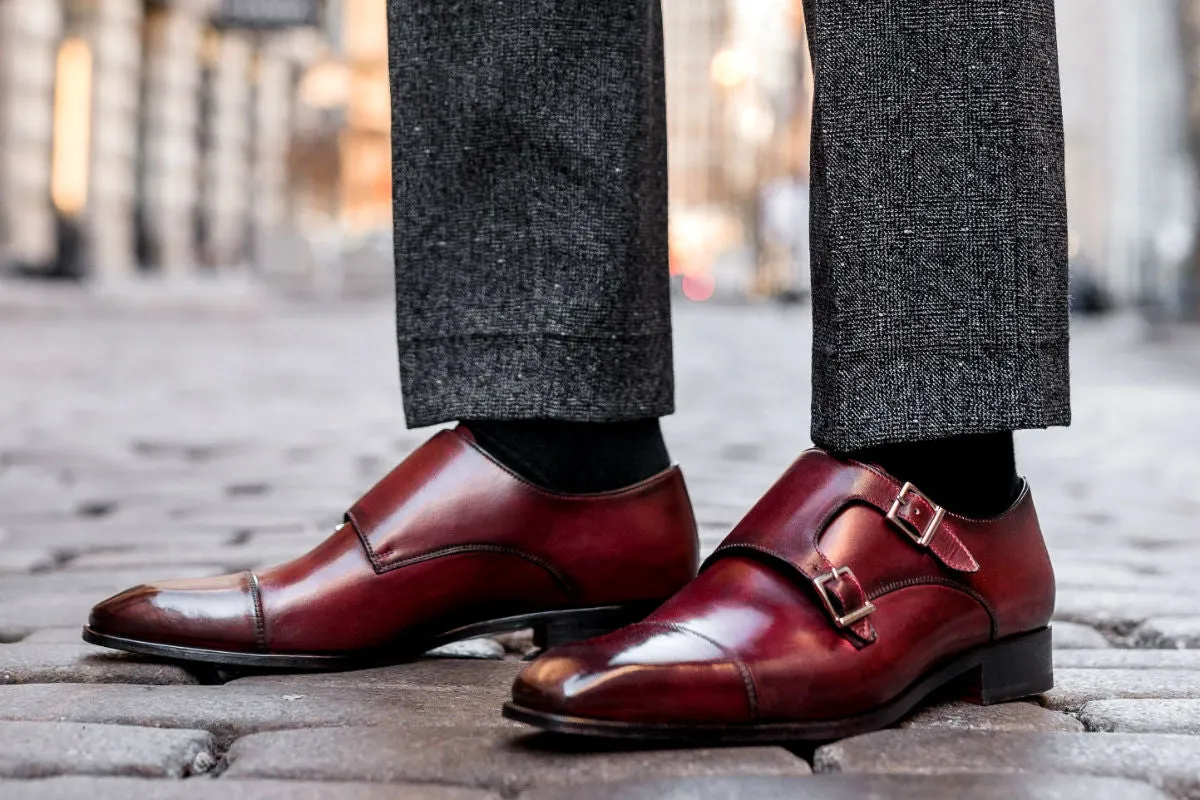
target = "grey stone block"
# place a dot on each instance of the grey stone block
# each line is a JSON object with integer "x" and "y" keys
{"x": 231, "y": 711}
{"x": 1119, "y": 609}
{"x": 502, "y": 761}
{"x": 433, "y": 674}
{"x": 858, "y": 787}
{"x": 1022, "y": 716}
{"x": 40, "y": 749}
{"x": 1180, "y": 633}
{"x": 25, "y": 559}
{"x": 482, "y": 648}
{"x": 74, "y": 788}
{"x": 217, "y": 556}
{"x": 1147, "y": 562}
{"x": 1142, "y": 716}
{"x": 101, "y": 583}
{"x": 1168, "y": 762}
{"x": 519, "y": 643}
{"x": 1074, "y": 636}
{"x": 1074, "y": 687}
{"x": 69, "y": 634}
{"x": 1093, "y": 575}
{"x": 77, "y": 537}
{"x": 82, "y": 663}
{"x": 1116, "y": 658}
{"x": 221, "y": 517}
{"x": 25, "y": 614}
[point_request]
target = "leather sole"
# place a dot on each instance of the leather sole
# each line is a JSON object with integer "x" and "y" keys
{"x": 1008, "y": 669}
{"x": 551, "y": 628}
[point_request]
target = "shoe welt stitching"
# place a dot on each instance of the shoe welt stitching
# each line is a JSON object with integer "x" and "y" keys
{"x": 743, "y": 669}
{"x": 260, "y": 628}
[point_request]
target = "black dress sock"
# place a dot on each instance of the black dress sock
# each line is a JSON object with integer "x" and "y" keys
{"x": 575, "y": 457}
{"x": 974, "y": 476}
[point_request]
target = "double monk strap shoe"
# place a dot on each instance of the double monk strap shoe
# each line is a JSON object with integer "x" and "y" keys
{"x": 841, "y": 601}
{"x": 449, "y": 546}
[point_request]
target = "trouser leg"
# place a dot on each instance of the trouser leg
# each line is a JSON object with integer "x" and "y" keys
{"x": 529, "y": 150}
{"x": 939, "y": 220}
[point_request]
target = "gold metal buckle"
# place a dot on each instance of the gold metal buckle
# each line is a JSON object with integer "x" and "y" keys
{"x": 921, "y": 537}
{"x": 851, "y": 618}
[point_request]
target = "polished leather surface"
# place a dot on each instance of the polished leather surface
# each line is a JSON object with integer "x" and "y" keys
{"x": 449, "y": 538}
{"x": 751, "y": 641}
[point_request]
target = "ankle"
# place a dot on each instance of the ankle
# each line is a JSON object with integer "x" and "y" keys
{"x": 575, "y": 457}
{"x": 973, "y": 475}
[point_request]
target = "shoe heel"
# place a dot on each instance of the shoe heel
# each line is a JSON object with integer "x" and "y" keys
{"x": 1018, "y": 667}
{"x": 574, "y": 626}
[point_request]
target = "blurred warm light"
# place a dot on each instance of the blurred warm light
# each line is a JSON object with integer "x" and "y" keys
{"x": 210, "y": 48}
{"x": 70, "y": 170}
{"x": 756, "y": 122}
{"x": 366, "y": 180}
{"x": 364, "y": 26}
{"x": 326, "y": 86}
{"x": 699, "y": 288}
{"x": 732, "y": 67}
{"x": 370, "y": 103}
{"x": 689, "y": 241}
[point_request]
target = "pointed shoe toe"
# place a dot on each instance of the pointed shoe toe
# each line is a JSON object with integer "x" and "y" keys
{"x": 449, "y": 545}
{"x": 217, "y": 614}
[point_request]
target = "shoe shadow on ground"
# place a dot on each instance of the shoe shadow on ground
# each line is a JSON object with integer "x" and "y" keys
{"x": 575, "y": 745}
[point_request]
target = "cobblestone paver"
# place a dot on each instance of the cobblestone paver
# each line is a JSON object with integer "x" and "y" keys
{"x": 192, "y": 441}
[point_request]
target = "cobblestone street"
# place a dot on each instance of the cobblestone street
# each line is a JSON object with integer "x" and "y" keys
{"x": 152, "y": 443}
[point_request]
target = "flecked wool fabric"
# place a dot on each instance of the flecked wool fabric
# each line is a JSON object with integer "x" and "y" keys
{"x": 939, "y": 223}
{"x": 529, "y": 141}
{"x": 530, "y": 183}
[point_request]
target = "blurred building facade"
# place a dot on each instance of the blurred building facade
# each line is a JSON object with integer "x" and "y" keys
{"x": 738, "y": 111}
{"x": 142, "y": 137}
{"x": 1131, "y": 175}
{"x": 146, "y": 135}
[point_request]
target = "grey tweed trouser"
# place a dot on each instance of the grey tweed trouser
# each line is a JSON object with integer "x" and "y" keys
{"x": 530, "y": 214}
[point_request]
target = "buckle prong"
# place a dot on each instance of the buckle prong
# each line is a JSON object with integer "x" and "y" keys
{"x": 854, "y": 616}
{"x": 921, "y": 537}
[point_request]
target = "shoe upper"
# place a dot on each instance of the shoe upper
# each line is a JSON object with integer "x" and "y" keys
{"x": 448, "y": 538}
{"x": 837, "y": 591}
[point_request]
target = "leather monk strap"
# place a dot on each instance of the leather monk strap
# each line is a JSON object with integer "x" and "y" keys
{"x": 829, "y": 485}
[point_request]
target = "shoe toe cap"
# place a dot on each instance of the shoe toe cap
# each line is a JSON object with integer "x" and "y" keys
{"x": 214, "y": 613}
{"x": 638, "y": 676}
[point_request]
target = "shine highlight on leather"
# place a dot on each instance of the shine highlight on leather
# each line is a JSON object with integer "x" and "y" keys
{"x": 450, "y": 540}
{"x": 759, "y": 645}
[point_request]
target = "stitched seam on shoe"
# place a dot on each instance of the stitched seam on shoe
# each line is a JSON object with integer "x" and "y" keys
{"x": 260, "y": 626}
{"x": 564, "y": 583}
{"x": 743, "y": 669}
{"x": 894, "y": 586}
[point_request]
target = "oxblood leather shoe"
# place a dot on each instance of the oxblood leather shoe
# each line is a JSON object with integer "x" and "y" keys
{"x": 840, "y": 602}
{"x": 450, "y": 545}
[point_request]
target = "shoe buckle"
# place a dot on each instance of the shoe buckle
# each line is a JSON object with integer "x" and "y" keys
{"x": 837, "y": 573}
{"x": 910, "y": 529}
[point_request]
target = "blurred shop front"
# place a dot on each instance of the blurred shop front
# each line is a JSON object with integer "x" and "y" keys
{"x": 146, "y": 136}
